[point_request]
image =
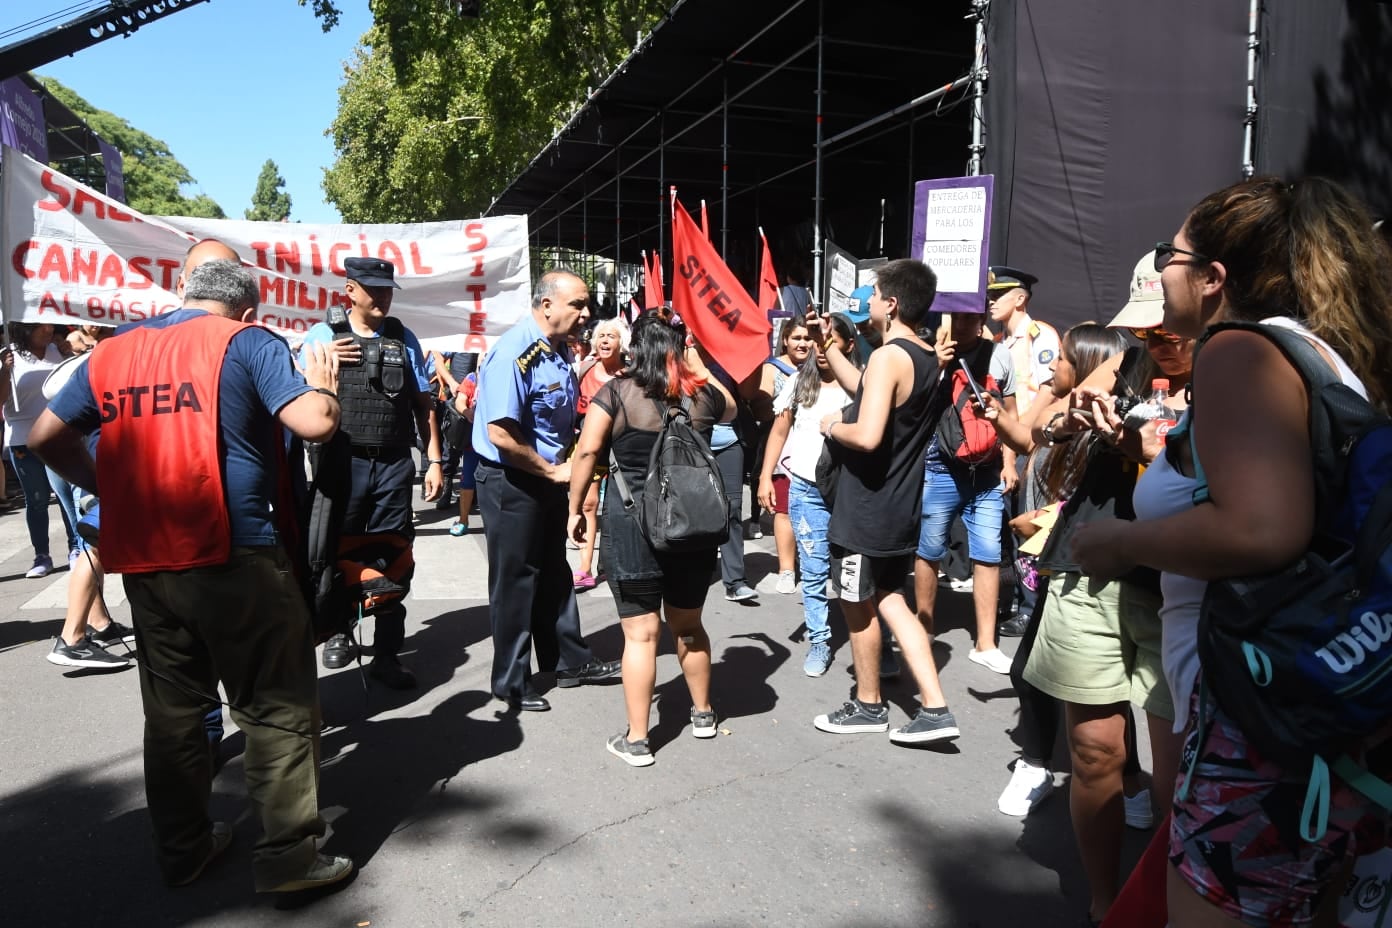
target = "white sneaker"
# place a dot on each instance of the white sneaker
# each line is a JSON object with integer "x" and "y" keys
{"x": 1139, "y": 814}
{"x": 994, "y": 659}
{"x": 962, "y": 586}
{"x": 1027, "y": 788}
{"x": 787, "y": 582}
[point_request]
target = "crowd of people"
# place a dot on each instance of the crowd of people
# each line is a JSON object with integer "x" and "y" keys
{"x": 1060, "y": 469}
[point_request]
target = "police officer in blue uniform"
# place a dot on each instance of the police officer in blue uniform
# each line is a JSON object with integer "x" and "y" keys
{"x": 384, "y": 389}
{"x": 524, "y": 427}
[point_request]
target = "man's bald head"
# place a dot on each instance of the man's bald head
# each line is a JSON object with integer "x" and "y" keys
{"x": 201, "y": 252}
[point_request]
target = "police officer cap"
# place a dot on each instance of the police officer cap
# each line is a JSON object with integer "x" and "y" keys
{"x": 371, "y": 272}
{"x": 1008, "y": 278}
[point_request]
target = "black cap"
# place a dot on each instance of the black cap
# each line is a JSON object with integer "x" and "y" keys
{"x": 1008, "y": 278}
{"x": 371, "y": 272}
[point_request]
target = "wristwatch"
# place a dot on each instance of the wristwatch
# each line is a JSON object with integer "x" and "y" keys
{"x": 1048, "y": 430}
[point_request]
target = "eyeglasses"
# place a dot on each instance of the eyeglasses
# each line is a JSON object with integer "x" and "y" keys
{"x": 1165, "y": 252}
{"x": 1157, "y": 334}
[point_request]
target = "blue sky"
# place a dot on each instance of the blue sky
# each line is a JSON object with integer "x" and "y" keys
{"x": 226, "y": 85}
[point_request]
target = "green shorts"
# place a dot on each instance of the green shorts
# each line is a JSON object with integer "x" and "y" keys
{"x": 1098, "y": 644}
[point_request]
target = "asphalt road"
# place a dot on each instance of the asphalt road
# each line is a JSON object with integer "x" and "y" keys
{"x": 459, "y": 814}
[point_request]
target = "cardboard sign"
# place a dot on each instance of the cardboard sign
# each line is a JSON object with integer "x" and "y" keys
{"x": 951, "y": 234}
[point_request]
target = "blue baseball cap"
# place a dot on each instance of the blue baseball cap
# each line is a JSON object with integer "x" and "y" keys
{"x": 859, "y": 309}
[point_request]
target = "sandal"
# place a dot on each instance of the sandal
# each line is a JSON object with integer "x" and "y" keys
{"x": 583, "y": 580}
{"x": 459, "y": 529}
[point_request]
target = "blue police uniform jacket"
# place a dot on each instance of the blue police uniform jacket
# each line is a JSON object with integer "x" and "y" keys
{"x": 525, "y": 379}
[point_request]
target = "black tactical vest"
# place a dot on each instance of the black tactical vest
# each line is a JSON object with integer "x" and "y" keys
{"x": 378, "y": 393}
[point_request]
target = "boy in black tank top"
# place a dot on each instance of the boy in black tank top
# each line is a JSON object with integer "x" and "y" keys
{"x": 880, "y": 439}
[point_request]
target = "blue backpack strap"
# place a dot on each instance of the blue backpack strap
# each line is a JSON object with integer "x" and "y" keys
{"x": 1314, "y": 815}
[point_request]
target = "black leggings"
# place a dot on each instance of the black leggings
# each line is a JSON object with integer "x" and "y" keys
{"x": 1039, "y": 712}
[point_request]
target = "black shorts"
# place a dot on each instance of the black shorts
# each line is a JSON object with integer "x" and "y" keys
{"x": 683, "y": 585}
{"x": 859, "y": 576}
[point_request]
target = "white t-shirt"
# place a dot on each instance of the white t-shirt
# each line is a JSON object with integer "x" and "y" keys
{"x": 804, "y": 444}
{"x": 1163, "y": 491}
{"x": 26, "y": 399}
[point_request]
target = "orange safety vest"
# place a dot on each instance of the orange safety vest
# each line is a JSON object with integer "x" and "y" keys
{"x": 159, "y": 459}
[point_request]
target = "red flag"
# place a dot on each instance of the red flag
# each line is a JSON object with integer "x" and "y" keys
{"x": 657, "y": 276}
{"x": 768, "y": 280}
{"x": 713, "y": 303}
{"x": 634, "y": 310}
{"x": 705, "y": 222}
{"x": 652, "y": 282}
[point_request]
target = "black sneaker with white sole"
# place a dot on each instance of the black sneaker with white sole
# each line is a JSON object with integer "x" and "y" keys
{"x": 855, "y": 717}
{"x": 84, "y": 654}
{"x": 927, "y": 726}
{"x": 115, "y": 633}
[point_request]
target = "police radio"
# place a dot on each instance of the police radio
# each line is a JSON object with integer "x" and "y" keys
{"x": 337, "y": 318}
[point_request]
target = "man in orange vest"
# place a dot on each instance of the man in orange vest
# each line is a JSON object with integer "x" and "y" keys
{"x": 192, "y": 408}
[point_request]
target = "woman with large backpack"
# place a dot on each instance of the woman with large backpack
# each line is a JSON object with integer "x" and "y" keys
{"x": 624, "y": 421}
{"x": 1303, "y": 258}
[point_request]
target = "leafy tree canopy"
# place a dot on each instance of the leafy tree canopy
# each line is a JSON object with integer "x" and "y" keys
{"x": 154, "y": 177}
{"x": 270, "y": 202}
{"x": 439, "y": 112}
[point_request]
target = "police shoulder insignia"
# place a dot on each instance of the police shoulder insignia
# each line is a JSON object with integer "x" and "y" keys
{"x": 528, "y": 357}
{"x": 1034, "y": 330}
{"x": 1046, "y": 356}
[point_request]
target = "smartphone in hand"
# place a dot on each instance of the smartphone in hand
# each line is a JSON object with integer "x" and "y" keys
{"x": 977, "y": 391}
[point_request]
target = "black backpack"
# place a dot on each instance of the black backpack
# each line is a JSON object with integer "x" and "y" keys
{"x": 683, "y": 507}
{"x": 1300, "y": 659}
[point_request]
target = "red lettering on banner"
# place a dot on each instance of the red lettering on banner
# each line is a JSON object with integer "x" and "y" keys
{"x": 50, "y": 183}
{"x": 477, "y": 291}
{"x": 170, "y": 268}
{"x": 417, "y": 265}
{"x": 316, "y": 260}
{"x": 84, "y": 267}
{"x": 388, "y": 251}
{"x": 112, "y": 270}
{"x": 478, "y": 322}
{"x": 50, "y": 303}
{"x": 117, "y": 216}
{"x": 54, "y": 264}
{"x": 140, "y": 273}
{"x": 474, "y": 233}
{"x": 362, "y": 245}
{"x": 476, "y": 343}
{"x": 272, "y": 289}
{"x": 261, "y": 248}
{"x": 287, "y": 257}
{"x": 82, "y": 198}
{"x": 21, "y": 254}
{"x": 302, "y": 299}
{"x": 285, "y": 322}
{"x": 335, "y": 264}
{"x": 478, "y": 267}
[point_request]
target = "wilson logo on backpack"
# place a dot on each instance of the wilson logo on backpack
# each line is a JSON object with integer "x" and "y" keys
{"x": 1312, "y": 638}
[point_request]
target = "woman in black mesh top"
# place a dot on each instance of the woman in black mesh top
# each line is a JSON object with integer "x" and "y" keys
{"x": 626, "y": 416}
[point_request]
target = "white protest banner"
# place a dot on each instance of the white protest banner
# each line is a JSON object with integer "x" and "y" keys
{"x": 73, "y": 255}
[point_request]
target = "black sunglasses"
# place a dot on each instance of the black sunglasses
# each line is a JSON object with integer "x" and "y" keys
{"x": 1165, "y": 252}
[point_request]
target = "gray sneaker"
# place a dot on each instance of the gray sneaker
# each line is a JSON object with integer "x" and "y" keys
{"x": 818, "y": 659}
{"x": 325, "y": 871}
{"x": 740, "y": 592}
{"x": 84, "y": 654}
{"x": 633, "y": 753}
{"x": 115, "y": 633}
{"x": 854, "y": 717}
{"x": 924, "y": 728}
{"x": 703, "y": 724}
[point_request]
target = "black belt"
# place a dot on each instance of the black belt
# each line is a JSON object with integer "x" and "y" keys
{"x": 379, "y": 451}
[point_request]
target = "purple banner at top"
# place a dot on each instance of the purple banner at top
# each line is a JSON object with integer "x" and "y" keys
{"x": 22, "y": 123}
{"x": 115, "y": 177}
{"x": 951, "y": 232}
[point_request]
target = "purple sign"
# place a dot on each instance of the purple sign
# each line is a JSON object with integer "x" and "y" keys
{"x": 115, "y": 178}
{"x": 22, "y": 124}
{"x": 951, "y": 232}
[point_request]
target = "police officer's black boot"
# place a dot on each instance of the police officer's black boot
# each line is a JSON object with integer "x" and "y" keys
{"x": 390, "y": 634}
{"x": 338, "y": 652}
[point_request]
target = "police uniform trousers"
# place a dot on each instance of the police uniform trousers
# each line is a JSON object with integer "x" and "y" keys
{"x": 380, "y": 501}
{"x": 244, "y": 623}
{"x": 530, "y": 591}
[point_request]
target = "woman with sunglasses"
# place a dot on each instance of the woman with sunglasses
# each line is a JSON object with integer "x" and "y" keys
{"x": 1098, "y": 642}
{"x": 1302, "y": 256}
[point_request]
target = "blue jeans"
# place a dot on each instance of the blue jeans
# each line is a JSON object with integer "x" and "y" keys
{"x": 978, "y": 498}
{"x": 37, "y": 480}
{"x": 810, "y": 516}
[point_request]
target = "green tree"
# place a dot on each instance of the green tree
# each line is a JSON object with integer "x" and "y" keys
{"x": 154, "y": 177}
{"x": 270, "y": 202}
{"x": 439, "y": 112}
